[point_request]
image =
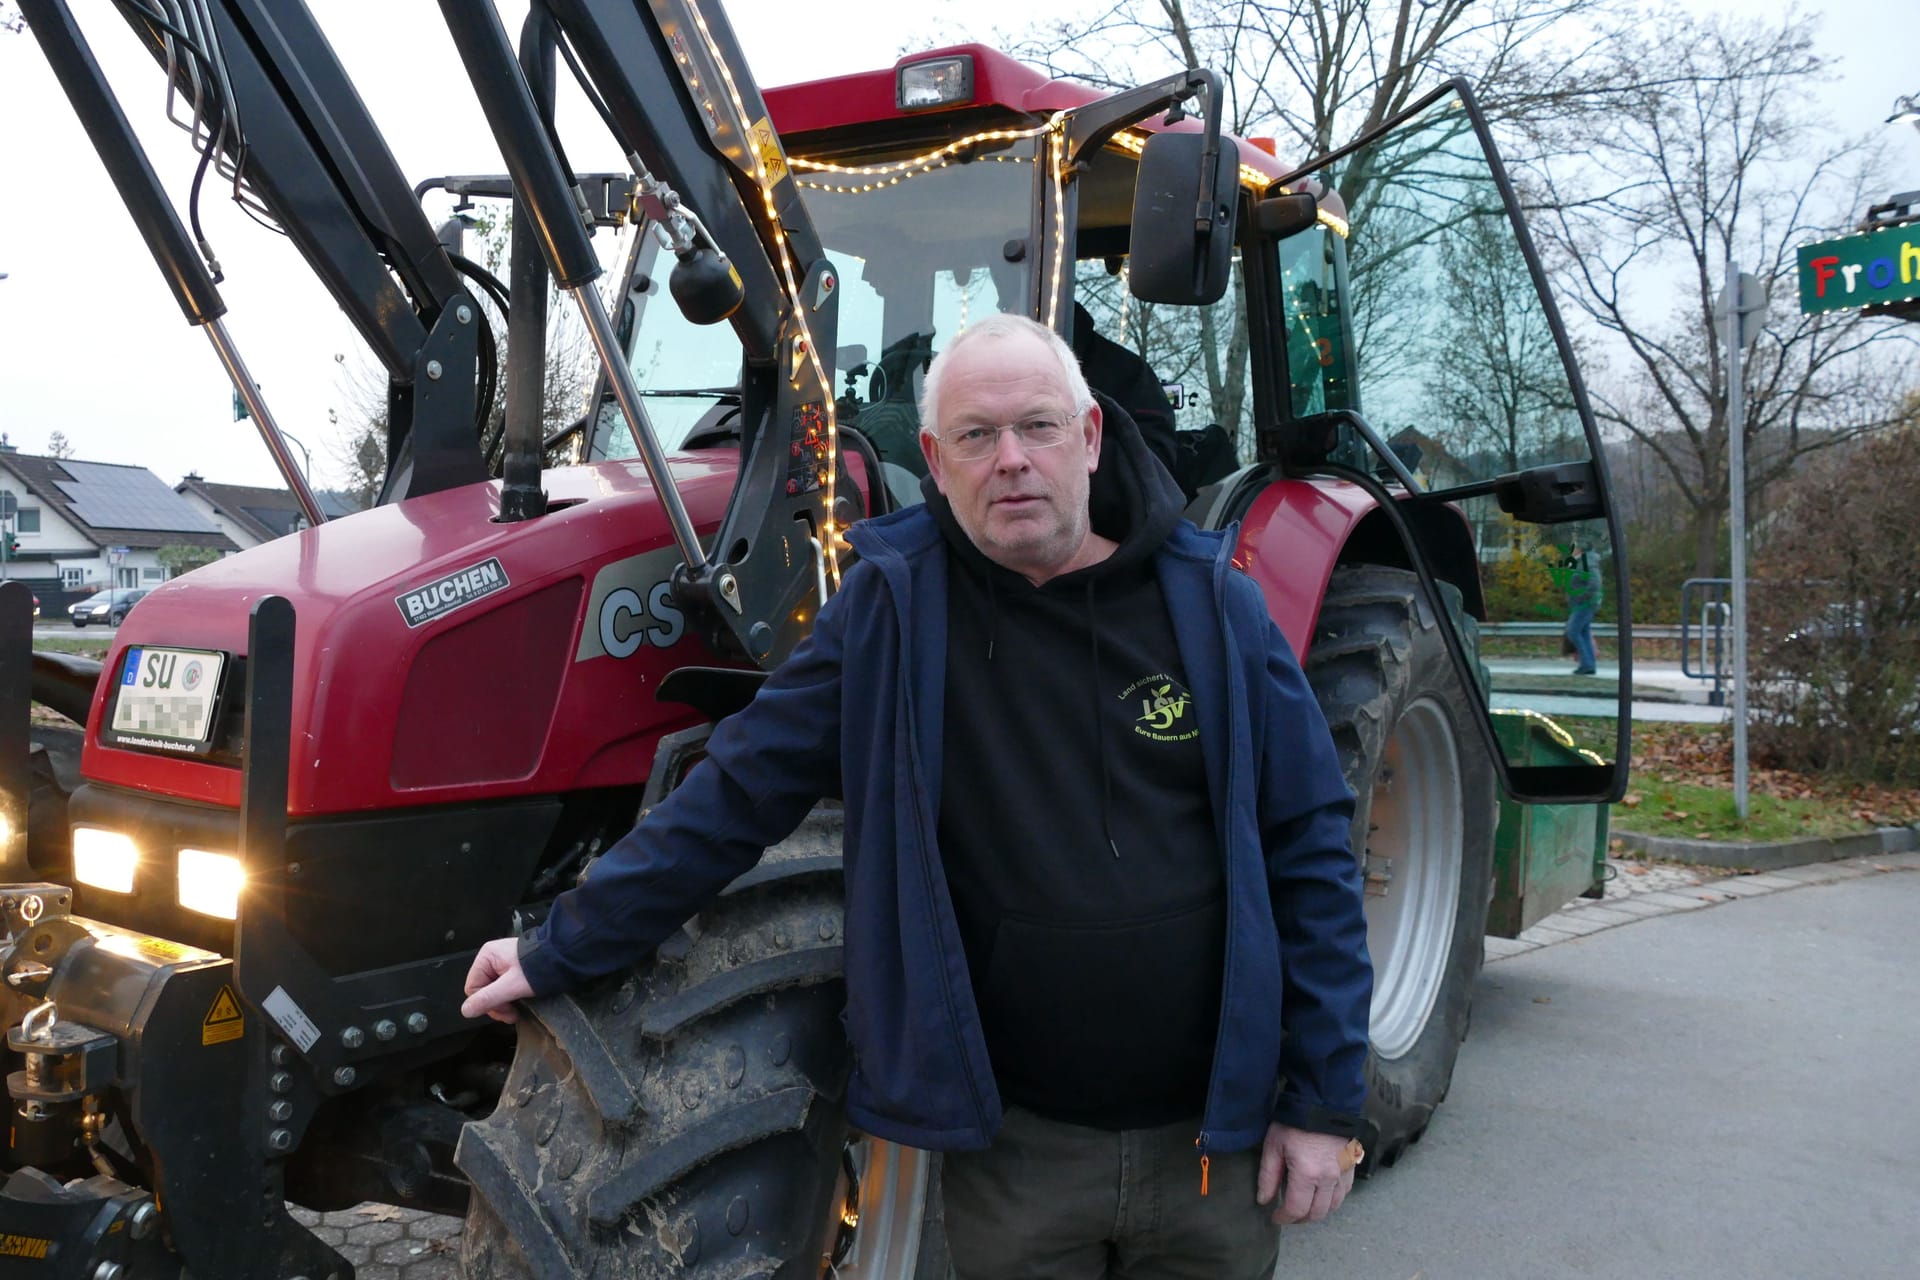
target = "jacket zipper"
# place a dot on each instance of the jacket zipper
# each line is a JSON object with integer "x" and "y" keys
{"x": 926, "y": 870}
{"x": 1225, "y": 820}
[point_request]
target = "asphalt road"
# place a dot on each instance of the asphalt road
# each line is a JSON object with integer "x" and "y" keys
{"x": 1720, "y": 1093}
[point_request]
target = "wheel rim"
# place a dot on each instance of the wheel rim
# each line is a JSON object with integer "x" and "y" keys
{"x": 1412, "y": 874}
{"x": 893, "y": 1197}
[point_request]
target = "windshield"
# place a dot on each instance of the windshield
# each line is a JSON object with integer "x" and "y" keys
{"x": 921, "y": 252}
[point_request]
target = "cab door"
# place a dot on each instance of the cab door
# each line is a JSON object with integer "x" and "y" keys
{"x": 1422, "y": 357}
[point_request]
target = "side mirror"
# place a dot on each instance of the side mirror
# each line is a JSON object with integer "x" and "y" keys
{"x": 1278, "y": 217}
{"x": 1183, "y": 219}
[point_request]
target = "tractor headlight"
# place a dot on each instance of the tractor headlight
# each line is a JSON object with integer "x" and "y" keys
{"x": 104, "y": 859}
{"x": 937, "y": 82}
{"x": 210, "y": 883}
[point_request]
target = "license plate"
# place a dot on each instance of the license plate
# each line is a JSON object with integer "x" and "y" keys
{"x": 167, "y": 695}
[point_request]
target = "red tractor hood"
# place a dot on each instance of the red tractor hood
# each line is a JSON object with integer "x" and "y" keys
{"x": 441, "y": 656}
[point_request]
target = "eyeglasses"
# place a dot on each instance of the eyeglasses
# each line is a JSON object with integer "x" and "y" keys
{"x": 971, "y": 444}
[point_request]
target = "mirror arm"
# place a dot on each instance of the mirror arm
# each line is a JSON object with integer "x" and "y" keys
{"x": 1210, "y": 155}
{"x": 1551, "y": 494}
{"x": 1093, "y": 126}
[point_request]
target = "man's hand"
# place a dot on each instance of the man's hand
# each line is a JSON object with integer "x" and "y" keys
{"x": 495, "y": 982}
{"x": 1315, "y": 1183}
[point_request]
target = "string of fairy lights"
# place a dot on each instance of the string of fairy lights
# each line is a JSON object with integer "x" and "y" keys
{"x": 892, "y": 174}
{"x": 830, "y": 532}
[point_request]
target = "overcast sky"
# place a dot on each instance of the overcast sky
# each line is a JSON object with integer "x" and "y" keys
{"x": 91, "y": 343}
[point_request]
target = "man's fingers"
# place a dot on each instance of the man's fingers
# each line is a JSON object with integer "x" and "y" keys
{"x": 1309, "y": 1201}
{"x": 1297, "y": 1201}
{"x": 495, "y": 981}
{"x": 489, "y": 963}
{"x": 1340, "y": 1190}
{"x": 1270, "y": 1167}
{"x": 496, "y": 1000}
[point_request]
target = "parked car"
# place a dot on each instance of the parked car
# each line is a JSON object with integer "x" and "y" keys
{"x": 109, "y": 607}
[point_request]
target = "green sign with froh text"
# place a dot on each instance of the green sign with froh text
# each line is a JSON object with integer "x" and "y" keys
{"x": 1864, "y": 270}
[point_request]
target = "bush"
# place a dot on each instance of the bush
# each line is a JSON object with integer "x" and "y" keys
{"x": 1835, "y": 622}
{"x": 1521, "y": 586}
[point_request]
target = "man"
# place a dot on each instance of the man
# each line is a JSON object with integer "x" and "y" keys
{"x": 1583, "y": 601}
{"x": 1104, "y": 936}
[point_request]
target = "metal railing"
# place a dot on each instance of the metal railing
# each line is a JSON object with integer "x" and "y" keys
{"x": 1599, "y": 629}
{"x": 1706, "y": 616}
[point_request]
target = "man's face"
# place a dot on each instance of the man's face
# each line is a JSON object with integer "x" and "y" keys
{"x": 1025, "y": 510}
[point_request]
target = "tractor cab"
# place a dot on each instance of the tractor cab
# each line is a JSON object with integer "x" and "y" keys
{"x": 1378, "y": 373}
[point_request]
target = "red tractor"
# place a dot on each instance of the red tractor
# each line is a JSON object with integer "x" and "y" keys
{"x": 316, "y": 775}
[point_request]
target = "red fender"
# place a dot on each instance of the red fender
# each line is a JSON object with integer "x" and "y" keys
{"x": 1295, "y": 532}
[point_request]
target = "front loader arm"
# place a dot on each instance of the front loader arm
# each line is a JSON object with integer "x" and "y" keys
{"x": 712, "y": 179}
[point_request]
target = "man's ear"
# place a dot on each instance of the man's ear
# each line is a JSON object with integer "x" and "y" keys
{"x": 930, "y": 450}
{"x": 1093, "y": 437}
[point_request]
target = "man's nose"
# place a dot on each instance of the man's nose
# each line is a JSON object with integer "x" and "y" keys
{"x": 1008, "y": 453}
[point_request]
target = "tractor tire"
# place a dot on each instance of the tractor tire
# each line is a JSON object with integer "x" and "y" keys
{"x": 688, "y": 1118}
{"x": 1423, "y": 827}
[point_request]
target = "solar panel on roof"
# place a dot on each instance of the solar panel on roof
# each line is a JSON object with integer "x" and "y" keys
{"x": 128, "y": 498}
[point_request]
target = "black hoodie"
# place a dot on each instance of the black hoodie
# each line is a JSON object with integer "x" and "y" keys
{"x": 1075, "y": 824}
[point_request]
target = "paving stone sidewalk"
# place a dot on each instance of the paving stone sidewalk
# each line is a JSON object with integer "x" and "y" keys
{"x": 1641, "y": 890}
{"x": 385, "y": 1243}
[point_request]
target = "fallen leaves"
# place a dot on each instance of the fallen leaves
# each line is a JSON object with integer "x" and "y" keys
{"x": 1686, "y": 753}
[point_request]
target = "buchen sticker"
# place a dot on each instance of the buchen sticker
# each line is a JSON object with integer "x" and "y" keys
{"x": 224, "y": 1021}
{"x": 457, "y": 590}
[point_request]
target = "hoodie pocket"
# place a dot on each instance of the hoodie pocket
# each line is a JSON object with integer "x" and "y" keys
{"x": 1105, "y": 1019}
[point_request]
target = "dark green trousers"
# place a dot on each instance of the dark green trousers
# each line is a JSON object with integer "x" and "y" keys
{"x": 1052, "y": 1201}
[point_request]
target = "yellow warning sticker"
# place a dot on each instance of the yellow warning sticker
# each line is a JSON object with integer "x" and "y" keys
{"x": 163, "y": 951}
{"x": 12, "y": 1246}
{"x": 224, "y": 1021}
{"x": 766, "y": 149}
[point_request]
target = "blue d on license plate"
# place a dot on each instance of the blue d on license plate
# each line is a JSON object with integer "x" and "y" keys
{"x": 167, "y": 694}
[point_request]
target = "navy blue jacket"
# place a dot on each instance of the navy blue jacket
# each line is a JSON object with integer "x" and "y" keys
{"x": 856, "y": 712}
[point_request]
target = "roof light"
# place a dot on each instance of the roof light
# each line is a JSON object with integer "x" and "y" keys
{"x": 937, "y": 82}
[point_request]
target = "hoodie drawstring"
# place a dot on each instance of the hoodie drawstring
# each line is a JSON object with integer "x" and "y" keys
{"x": 1099, "y": 726}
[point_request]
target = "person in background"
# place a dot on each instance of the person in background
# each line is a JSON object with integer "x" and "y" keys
{"x": 1583, "y": 601}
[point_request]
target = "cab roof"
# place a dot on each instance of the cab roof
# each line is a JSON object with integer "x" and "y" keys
{"x": 865, "y": 99}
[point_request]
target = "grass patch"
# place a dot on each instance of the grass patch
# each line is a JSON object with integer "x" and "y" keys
{"x": 1688, "y": 811}
{"x": 1681, "y": 786}
{"x": 83, "y": 645}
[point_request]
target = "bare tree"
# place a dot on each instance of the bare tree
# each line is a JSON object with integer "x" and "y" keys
{"x": 1497, "y": 383}
{"x": 569, "y": 372}
{"x": 1319, "y": 73}
{"x": 1708, "y": 155}
{"x": 58, "y": 446}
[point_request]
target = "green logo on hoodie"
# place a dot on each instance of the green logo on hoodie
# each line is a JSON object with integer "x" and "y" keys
{"x": 1164, "y": 703}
